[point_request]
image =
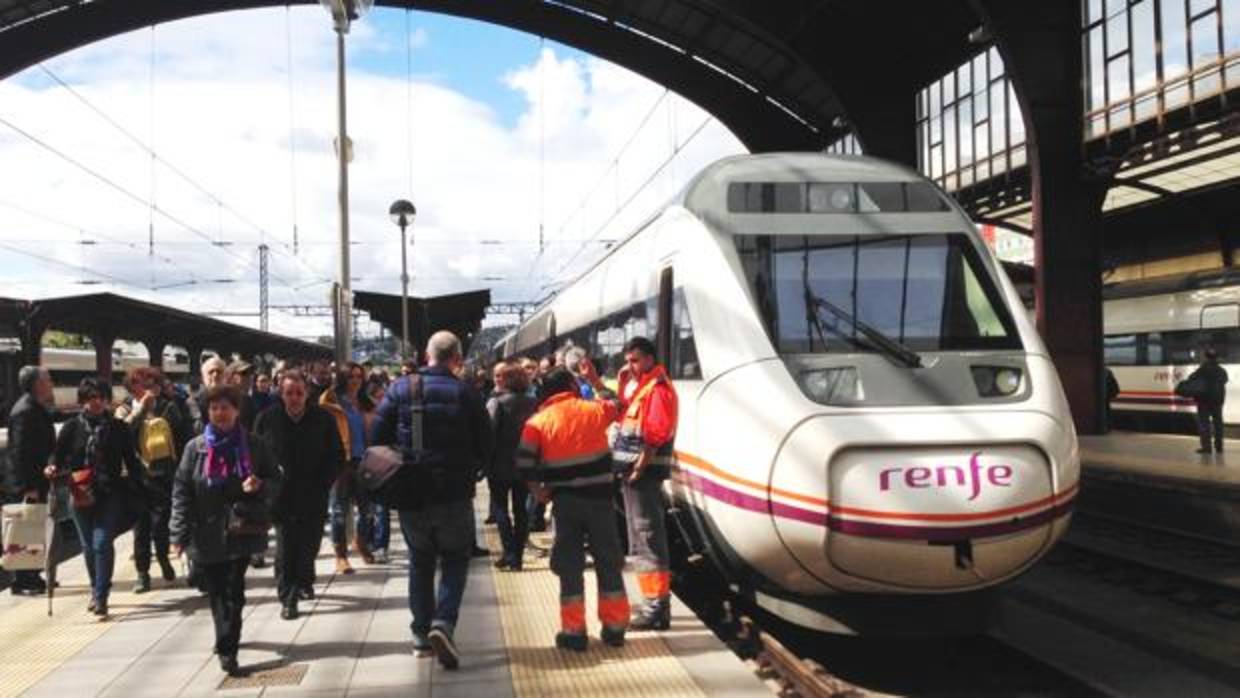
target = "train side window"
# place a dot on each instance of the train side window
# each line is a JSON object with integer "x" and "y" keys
{"x": 1120, "y": 350}
{"x": 1179, "y": 347}
{"x": 1154, "y": 349}
{"x": 684, "y": 347}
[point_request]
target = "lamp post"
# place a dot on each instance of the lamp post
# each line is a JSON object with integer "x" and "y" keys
{"x": 402, "y": 213}
{"x": 343, "y": 12}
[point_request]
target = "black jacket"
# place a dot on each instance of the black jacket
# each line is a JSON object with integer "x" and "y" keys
{"x": 457, "y": 439}
{"x": 119, "y": 471}
{"x": 1213, "y": 381}
{"x": 200, "y": 513}
{"x": 31, "y": 441}
{"x": 309, "y": 453}
{"x": 508, "y": 412}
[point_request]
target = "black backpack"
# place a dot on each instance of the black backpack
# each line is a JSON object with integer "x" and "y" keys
{"x": 396, "y": 477}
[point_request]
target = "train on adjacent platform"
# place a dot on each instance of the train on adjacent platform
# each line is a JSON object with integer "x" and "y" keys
{"x": 1155, "y": 330}
{"x": 871, "y": 431}
{"x": 68, "y": 367}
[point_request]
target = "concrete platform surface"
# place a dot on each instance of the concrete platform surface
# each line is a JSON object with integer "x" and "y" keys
{"x": 353, "y": 640}
{"x": 1170, "y": 456}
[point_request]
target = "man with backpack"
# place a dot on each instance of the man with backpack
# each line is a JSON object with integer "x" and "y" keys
{"x": 154, "y": 421}
{"x": 438, "y": 524}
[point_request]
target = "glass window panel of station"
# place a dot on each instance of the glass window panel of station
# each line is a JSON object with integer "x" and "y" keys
{"x": 1173, "y": 18}
{"x": 1231, "y": 25}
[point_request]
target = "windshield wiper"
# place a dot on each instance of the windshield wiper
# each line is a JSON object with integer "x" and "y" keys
{"x": 885, "y": 344}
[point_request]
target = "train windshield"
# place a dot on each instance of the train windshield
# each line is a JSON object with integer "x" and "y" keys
{"x": 925, "y": 292}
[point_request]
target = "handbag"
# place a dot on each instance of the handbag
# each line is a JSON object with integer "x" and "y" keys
{"x": 248, "y": 518}
{"x": 82, "y": 488}
{"x": 1191, "y": 387}
{"x": 24, "y": 536}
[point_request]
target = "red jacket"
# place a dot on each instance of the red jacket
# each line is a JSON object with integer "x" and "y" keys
{"x": 659, "y": 411}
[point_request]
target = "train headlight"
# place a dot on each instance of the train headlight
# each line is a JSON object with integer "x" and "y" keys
{"x": 997, "y": 381}
{"x": 831, "y": 386}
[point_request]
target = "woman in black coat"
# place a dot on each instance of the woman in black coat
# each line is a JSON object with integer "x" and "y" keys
{"x": 96, "y": 451}
{"x": 222, "y": 498}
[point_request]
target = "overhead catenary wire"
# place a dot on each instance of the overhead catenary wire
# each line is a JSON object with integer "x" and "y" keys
{"x": 292, "y": 126}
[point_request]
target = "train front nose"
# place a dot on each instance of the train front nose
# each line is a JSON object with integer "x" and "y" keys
{"x": 913, "y": 506}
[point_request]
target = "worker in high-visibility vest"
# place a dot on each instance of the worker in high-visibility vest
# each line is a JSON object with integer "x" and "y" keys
{"x": 565, "y": 458}
{"x": 644, "y": 455}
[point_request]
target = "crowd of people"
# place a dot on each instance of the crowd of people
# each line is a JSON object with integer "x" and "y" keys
{"x": 209, "y": 475}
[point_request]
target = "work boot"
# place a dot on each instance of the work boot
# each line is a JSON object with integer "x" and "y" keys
{"x": 613, "y": 637}
{"x": 362, "y": 551}
{"x": 577, "y": 642}
{"x": 144, "y": 583}
{"x": 166, "y": 569}
{"x": 342, "y": 560}
{"x": 655, "y": 615}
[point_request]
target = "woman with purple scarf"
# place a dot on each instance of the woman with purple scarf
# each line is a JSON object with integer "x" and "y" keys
{"x": 221, "y": 510}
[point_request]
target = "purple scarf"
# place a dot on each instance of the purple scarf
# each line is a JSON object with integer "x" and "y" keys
{"x": 228, "y": 455}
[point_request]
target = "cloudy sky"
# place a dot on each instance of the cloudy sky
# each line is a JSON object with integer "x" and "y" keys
{"x": 490, "y": 132}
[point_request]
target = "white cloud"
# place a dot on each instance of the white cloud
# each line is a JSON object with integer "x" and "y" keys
{"x": 221, "y": 113}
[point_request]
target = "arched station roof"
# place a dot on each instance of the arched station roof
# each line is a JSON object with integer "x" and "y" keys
{"x": 786, "y": 75}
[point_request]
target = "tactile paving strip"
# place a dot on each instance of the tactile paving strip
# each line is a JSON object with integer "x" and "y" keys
{"x": 529, "y": 605}
{"x": 33, "y": 645}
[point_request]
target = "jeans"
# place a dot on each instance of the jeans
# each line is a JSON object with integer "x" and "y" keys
{"x": 224, "y": 583}
{"x": 298, "y": 538}
{"x": 440, "y": 535}
{"x": 342, "y": 497}
{"x": 96, "y": 530}
{"x": 152, "y": 525}
{"x": 514, "y": 528}
{"x": 381, "y": 531}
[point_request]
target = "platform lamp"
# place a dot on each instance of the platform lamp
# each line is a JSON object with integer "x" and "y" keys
{"x": 402, "y": 213}
{"x": 343, "y": 12}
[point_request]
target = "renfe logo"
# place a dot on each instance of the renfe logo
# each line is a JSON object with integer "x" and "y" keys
{"x": 922, "y": 477}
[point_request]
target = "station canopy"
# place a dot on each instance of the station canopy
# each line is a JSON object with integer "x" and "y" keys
{"x": 459, "y": 313}
{"x": 120, "y": 317}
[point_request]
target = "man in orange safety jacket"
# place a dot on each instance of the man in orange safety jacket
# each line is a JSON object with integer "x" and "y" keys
{"x": 643, "y": 454}
{"x": 564, "y": 456}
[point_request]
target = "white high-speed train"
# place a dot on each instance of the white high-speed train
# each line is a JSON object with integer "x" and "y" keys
{"x": 68, "y": 367}
{"x": 1155, "y": 330}
{"x": 870, "y": 426}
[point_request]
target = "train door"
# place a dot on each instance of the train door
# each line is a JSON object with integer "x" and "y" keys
{"x": 663, "y": 318}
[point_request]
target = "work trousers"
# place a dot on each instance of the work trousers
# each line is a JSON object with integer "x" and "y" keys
{"x": 513, "y": 527}
{"x": 581, "y": 521}
{"x": 298, "y": 538}
{"x": 438, "y": 536}
{"x": 224, "y": 583}
{"x": 151, "y": 526}
{"x": 1210, "y": 419}
{"x": 647, "y": 528}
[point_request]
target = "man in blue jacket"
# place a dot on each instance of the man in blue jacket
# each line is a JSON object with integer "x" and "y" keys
{"x": 456, "y": 442}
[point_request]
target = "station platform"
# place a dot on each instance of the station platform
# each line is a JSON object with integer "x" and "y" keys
{"x": 1159, "y": 481}
{"x": 353, "y": 640}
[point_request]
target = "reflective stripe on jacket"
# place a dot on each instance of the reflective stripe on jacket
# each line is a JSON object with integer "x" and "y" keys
{"x": 565, "y": 443}
{"x": 649, "y": 421}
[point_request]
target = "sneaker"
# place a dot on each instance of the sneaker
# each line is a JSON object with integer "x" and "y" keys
{"x": 612, "y": 637}
{"x": 655, "y": 615}
{"x": 381, "y": 556}
{"x": 306, "y": 593}
{"x": 577, "y": 642}
{"x": 444, "y": 648}
{"x": 421, "y": 645}
{"x": 501, "y": 564}
{"x": 25, "y": 591}
{"x": 143, "y": 584}
{"x": 289, "y": 612}
{"x": 101, "y": 609}
{"x": 90, "y": 607}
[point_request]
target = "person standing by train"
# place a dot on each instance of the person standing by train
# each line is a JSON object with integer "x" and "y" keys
{"x": 643, "y": 454}
{"x": 564, "y": 456}
{"x": 153, "y": 421}
{"x": 509, "y": 408}
{"x": 32, "y": 438}
{"x": 1210, "y": 381}
{"x": 96, "y": 451}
